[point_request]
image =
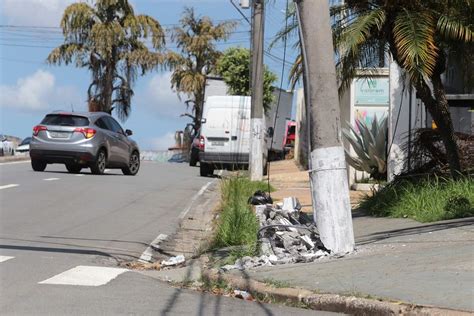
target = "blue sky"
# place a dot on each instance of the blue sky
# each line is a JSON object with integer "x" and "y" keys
{"x": 29, "y": 88}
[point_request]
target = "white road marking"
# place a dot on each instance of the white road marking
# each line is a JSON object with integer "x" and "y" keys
{"x": 13, "y": 162}
{"x": 203, "y": 189}
{"x": 8, "y": 186}
{"x": 85, "y": 276}
{"x": 5, "y": 258}
{"x": 51, "y": 179}
{"x": 147, "y": 255}
{"x": 106, "y": 170}
{"x": 79, "y": 175}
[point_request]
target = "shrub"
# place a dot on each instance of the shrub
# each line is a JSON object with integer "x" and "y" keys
{"x": 425, "y": 200}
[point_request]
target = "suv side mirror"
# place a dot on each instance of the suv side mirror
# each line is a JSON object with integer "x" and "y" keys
{"x": 270, "y": 131}
{"x": 128, "y": 132}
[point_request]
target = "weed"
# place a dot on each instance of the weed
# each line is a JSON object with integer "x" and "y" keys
{"x": 238, "y": 224}
{"x": 426, "y": 200}
{"x": 276, "y": 283}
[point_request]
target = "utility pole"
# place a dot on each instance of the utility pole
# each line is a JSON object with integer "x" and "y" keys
{"x": 257, "y": 125}
{"x": 328, "y": 176}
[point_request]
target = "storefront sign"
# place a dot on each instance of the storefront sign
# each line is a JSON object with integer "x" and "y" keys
{"x": 372, "y": 91}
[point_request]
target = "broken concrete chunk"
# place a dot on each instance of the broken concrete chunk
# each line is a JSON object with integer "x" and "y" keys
{"x": 291, "y": 205}
{"x": 307, "y": 241}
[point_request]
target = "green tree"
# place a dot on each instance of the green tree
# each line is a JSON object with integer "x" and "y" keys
{"x": 196, "y": 56}
{"x": 234, "y": 67}
{"x": 421, "y": 35}
{"x": 107, "y": 38}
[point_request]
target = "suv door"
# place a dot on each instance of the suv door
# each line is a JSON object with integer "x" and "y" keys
{"x": 121, "y": 143}
{"x": 110, "y": 139}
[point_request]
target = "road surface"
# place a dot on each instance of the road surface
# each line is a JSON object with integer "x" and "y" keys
{"x": 63, "y": 236}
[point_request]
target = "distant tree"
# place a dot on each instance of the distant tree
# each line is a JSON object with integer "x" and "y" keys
{"x": 107, "y": 38}
{"x": 196, "y": 56}
{"x": 234, "y": 67}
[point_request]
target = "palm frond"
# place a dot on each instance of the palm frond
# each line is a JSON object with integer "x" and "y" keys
{"x": 455, "y": 28}
{"x": 414, "y": 38}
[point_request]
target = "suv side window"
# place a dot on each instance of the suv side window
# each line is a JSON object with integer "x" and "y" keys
{"x": 100, "y": 123}
{"x": 114, "y": 126}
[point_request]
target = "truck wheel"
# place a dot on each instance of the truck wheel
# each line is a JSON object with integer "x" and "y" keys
{"x": 205, "y": 169}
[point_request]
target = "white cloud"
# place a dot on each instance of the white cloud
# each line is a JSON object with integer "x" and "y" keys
{"x": 38, "y": 91}
{"x": 34, "y": 12}
{"x": 162, "y": 143}
{"x": 159, "y": 98}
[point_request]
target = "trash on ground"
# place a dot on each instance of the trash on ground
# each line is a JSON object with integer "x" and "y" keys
{"x": 173, "y": 261}
{"x": 260, "y": 198}
{"x": 244, "y": 295}
{"x": 286, "y": 235}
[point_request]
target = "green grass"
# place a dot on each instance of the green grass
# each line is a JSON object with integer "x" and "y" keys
{"x": 238, "y": 225}
{"x": 425, "y": 200}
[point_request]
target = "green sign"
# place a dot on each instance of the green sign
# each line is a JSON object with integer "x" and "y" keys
{"x": 373, "y": 91}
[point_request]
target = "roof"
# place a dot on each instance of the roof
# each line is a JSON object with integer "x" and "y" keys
{"x": 85, "y": 114}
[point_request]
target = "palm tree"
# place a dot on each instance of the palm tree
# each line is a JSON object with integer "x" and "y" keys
{"x": 420, "y": 36}
{"x": 109, "y": 40}
{"x": 196, "y": 57}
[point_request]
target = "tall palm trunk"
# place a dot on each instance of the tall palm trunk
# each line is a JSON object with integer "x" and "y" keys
{"x": 439, "y": 110}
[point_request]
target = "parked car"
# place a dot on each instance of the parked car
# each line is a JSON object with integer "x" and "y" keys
{"x": 92, "y": 140}
{"x": 197, "y": 146}
{"x": 24, "y": 146}
{"x": 290, "y": 135}
{"x": 7, "y": 148}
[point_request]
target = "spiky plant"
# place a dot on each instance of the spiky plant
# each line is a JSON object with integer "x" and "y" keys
{"x": 108, "y": 39}
{"x": 370, "y": 146}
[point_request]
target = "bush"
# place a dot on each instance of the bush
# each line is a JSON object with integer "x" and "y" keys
{"x": 238, "y": 225}
{"x": 425, "y": 200}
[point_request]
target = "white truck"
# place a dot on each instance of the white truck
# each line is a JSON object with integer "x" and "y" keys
{"x": 225, "y": 134}
{"x": 276, "y": 118}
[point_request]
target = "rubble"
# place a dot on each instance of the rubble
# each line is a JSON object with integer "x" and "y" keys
{"x": 286, "y": 235}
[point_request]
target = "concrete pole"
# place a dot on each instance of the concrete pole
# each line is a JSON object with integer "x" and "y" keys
{"x": 328, "y": 176}
{"x": 257, "y": 123}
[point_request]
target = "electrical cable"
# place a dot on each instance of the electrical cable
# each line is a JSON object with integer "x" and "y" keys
{"x": 278, "y": 102}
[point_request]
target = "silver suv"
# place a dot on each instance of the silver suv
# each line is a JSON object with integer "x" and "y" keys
{"x": 92, "y": 140}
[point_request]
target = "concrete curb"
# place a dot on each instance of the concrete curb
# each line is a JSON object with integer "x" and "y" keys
{"x": 5, "y": 159}
{"x": 328, "y": 302}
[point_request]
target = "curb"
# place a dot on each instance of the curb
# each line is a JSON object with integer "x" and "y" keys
{"x": 6, "y": 159}
{"x": 328, "y": 302}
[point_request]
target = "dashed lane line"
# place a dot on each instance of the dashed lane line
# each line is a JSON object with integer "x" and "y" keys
{"x": 13, "y": 162}
{"x": 85, "y": 276}
{"x": 5, "y": 258}
{"x": 51, "y": 179}
{"x": 8, "y": 186}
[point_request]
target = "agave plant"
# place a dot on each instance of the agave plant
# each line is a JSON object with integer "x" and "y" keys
{"x": 370, "y": 146}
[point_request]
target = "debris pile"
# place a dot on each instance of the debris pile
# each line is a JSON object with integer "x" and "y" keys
{"x": 286, "y": 235}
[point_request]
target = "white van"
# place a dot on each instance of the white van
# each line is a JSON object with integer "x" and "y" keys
{"x": 225, "y": 134}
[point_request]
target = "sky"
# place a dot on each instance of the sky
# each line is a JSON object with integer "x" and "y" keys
{"x": 29, "y": 88}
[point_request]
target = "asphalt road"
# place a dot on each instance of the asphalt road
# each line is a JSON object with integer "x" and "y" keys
{"x": 62, "y": 237}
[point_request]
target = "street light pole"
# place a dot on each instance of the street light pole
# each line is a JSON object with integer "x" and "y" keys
{"x": 257, "y": 124}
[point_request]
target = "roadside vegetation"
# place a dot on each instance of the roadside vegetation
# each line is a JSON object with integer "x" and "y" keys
{"x": 237, "y": 225}
{"x": 426, "y": 200}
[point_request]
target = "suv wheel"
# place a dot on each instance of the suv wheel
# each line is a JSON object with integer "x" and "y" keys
{"x": 98, "y": 166}
{"x": 133, "y": 165}
{"x": 38, "y": 165}
{"x": 73, "y": 168}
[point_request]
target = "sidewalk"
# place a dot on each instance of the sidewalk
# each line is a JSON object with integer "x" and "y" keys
{"x": 396, "y": 259}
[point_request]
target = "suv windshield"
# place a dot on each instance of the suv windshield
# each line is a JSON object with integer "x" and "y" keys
{"x": 65, "y": 120}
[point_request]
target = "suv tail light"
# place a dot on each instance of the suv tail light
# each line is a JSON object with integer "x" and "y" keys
{"x": 38, "y": 128}
{"x": 201, "y": 143}
{"x": 87, "y": 132}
